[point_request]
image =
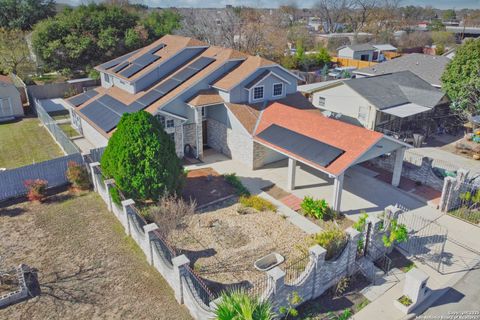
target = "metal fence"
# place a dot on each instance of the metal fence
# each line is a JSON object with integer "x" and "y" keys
{"x": 417, "y": 158}
{"x": 466, "y": 204}
{"x": 295, "y": 269}
{"x": 67, "y": 145}
{"x": 259, "y": 287}
{"x": 53, "y": 171}
{"x": 163, "y": 248}
{"x": 198, "y": 288}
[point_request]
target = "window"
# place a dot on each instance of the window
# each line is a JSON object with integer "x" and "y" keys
{"x": 161, "y": 119}
{"x": 170, "y": 123}
{"x": 172, "y": 136}
{"x": 204, "y": 112}
{"x": 321, "y": 101}
{"x": 258, "y": 93}
{"x": 384, "y": 117}
{"x": 106, "y": 77}
{"x": 277, "y": 89}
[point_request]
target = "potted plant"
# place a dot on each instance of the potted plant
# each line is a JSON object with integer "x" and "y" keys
{"x": 404, "y": 304}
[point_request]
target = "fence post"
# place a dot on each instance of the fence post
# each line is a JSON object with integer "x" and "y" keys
{"x": 370, "y": 241}
{"x": 277, "y": 277}
{"x": 147, "y": 246}
{"x": 125, "y": 204}
{"x": 108, "y": 185}
{"x": 94, "y": 165}
{"x": 446, "y": 191}
{"x": 354, "y": 237}
{"x": 179, "y": 264}
{"x": 391, "y": 213}
{"x": 318, "y": 253}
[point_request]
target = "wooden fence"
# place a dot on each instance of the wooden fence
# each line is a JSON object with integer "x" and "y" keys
{"x": 345, "y": 62}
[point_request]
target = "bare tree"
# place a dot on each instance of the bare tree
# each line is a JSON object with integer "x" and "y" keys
{"x": 359, "y": 11}
{"x": 332, "y": 12}
{"x": 14, "y": 53}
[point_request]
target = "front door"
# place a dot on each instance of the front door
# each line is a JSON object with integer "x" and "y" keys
{"x": 204, "y": 133}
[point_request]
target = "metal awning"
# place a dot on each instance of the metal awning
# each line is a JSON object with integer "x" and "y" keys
{"x": 406, "y": 110}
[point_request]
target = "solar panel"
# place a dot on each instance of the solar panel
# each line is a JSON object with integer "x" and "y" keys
{"x": 167, "y": 86}
{"x": 185, "y": 74}
{"x": 82, "y": 98}
{"x": 156, "y": 48}
{"x": 131, "y": 70}
{"x": 136, "y": 106}
{"x": 113, "y": 104}
{"x": 121, "y": 66}
{"x": 146, "y": 59}
{"x": 201, "y": 63}
{"x": 103, "y": 117}
{"x": 150, "y": 97}
{"x": 310, "y": 149}
{"x": 111, "y": 63}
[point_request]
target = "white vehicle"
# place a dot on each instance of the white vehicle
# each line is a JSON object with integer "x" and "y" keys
{"x": 338, "y": 72}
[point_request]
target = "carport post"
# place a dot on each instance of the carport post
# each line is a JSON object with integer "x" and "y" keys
{"x": 397, "y": 169}
{"x": 337, "y": 192}
{"x": 292, "y": 164}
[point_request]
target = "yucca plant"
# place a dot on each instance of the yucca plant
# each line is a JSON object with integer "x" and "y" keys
{"x": 238, "y": 305}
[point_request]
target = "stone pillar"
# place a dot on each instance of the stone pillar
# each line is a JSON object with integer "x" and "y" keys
{"x": 448, "y": 184}
{"x": 108, "y": 185}
{"x": 147, "y": 246}
{"x": 277, "y": 278}
{"x": 416, "y": 285}
{"x": 93, "y": 167}
{"x": 179, "y": 264}
{"x": 371, "y": 241}
{"x": 391, "y": 213}
{"x": 318, "y": 254}
{"x": 125, "y": 221}
{"x": 199, "y": 133}
{"x": 354, "y": 237}
{"x": 337, "y": 192}
{"x": 397, "y": 167}
{"x": 292, "y": 169}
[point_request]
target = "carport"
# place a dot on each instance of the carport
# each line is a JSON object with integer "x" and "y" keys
{"x": 327, "y": 145}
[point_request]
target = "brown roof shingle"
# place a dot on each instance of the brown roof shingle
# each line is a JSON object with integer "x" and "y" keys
{"x": 205, "y": 98}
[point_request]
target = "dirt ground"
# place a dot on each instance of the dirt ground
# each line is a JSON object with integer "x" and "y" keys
{"x": 206, "y": 185}
{"x": 320, "y": 308}
{"x": 223, "y": 245}
{"x": 87, "y": 267}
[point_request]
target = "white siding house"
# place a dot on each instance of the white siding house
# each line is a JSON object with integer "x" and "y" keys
{"x": 10, "y": 101}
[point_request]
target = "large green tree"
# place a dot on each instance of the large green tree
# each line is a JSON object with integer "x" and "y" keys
{"x": 91, "y": 34}
{"x": 141, "y": 158}
{"x": 461, "y": 78}
{"x": 23, "y": 14}
{"x": 14, "y": 53}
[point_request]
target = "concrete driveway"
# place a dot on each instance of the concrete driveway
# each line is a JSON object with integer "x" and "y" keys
{"x": 362, "y": 192}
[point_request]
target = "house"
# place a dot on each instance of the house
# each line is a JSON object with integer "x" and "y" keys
{"x": 364, "y": 52}
{"x": 10, "y": 100}
{"x": 394, "y": 102}
{"x": 242, "y": 106}
{"x": 429, "y": 68}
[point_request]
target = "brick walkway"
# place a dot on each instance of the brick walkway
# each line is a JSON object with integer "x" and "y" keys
{"x": 292, "y": 201}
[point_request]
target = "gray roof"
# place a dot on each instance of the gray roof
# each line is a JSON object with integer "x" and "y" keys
{"x": 429, "y": 68}
{"x": 359, "y": 47}
{"x": 312, "y": 87}
{"x": 395, "y": 89}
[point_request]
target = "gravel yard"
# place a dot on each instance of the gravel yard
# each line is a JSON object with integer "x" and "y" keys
{"x": 87, "y": 267}
{"x": 222, "y": 244}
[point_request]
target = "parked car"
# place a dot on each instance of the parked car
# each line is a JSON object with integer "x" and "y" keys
{"x": 341, "y": 72}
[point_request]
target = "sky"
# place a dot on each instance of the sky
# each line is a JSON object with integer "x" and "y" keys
{"x": 440, "y": 4}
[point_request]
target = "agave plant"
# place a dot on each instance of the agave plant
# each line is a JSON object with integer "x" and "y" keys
{"x": 238, "y": 305}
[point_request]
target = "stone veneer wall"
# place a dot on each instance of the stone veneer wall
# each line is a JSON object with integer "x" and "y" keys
{"x": 232, "y": 143}
{"x": 422, "y": 173}
{"x": 259, "y": 154}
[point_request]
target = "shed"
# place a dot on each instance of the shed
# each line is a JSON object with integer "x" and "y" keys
{"x": 10, "y": 101}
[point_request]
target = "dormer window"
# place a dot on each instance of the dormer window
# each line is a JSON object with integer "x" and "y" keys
{"x": 278, "y": 89}
{"x": 258, "y": 93}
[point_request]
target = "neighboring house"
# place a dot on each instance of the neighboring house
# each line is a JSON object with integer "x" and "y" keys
{"x": 10, "y": 100}
{"x": 364, "y": 52}
{"x": 395, "y": 102}
{"x": 429, "y": 68}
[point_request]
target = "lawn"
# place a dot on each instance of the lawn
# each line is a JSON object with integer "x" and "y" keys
{"x": 87, "y": 267}
{"x": 25, "y": 142}
{"x": 68, "y": 130}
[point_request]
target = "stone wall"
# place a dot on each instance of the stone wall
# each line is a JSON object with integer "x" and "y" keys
{"x": 21, "y": 292}
{"x": 452, "y": 189}
{"x": 232, "y": 143}
{"x": 414, "y": 168}
{"x": 190, "y": 135}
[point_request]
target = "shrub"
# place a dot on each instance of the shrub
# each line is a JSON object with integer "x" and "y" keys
{"x": 406, "y": 301}
{"x": 362, "y": 221}
{"x": 237, "y": 304}
{"x": 37, "y": 189}
{"x": 141, "y": 157}
{"x": 314, "y": 208}
{"x": 78, "y": 176}
{"x": 398, "y": 234}
{"x": 257, "y": 203}
{"x": 233, "y": 180}
{"x": 333, "y": 240}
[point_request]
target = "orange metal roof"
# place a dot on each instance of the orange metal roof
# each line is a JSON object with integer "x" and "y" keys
{"x": 355, "y": 141}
